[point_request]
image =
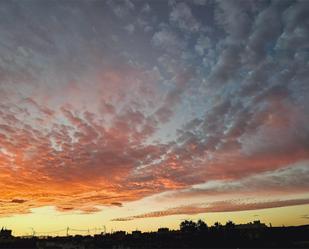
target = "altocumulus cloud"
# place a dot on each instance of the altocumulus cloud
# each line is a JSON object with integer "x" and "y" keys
{"x": 103, "y": 103}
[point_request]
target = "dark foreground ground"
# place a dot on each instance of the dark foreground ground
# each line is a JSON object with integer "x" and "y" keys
{"x": 214, "y": 237}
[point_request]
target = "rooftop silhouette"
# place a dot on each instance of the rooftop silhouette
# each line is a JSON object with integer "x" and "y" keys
{"x": 190, "y": 235}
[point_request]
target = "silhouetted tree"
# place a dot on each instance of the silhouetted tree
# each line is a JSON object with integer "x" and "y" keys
{"x": 201, "y": 225}
{"x": 230, "y": 225}
{"x": 188, "y": 226}
{"x": 217, "y": 225}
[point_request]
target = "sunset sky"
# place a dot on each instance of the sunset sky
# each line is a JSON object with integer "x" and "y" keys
{"x": 138, "y": 114}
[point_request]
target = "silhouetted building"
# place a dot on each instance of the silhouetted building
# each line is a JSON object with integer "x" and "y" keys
{"x": 5, "y": 233}
{"x": 163, "y": 230}
{"x": 251, "y": 235}
{"x": 254, "y": 224}
{"x": 119, "y": 234}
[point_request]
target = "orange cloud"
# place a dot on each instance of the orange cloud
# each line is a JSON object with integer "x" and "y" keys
{"x": 221, "y": 206}
{"x": 77, "y": 158}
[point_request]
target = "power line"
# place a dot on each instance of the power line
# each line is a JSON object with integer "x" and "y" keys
{"x": 50, "y": 232}
{"x": 67, "y": 230}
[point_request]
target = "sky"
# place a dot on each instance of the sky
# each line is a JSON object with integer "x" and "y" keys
{"x": 138, "y": 114}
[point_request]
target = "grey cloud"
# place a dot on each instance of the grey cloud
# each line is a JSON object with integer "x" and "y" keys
{"x": 203, "y": 43}
{"x": 253, "y": 90}
{"x": 292, "y": 179}
{"x": 200, "y": 2}
{"x": 146, "y": 8}
{"x": 227, "y": 66}
{"x": 169, "y": 41}
{"x": 235, "y": 16}
{"x": 295, "y": 34}
{"x": 266, "y": 29}
{"x": 121, "y": 8}
{"x": 296, "y": 15}
{"x": 182, "y": 16}
{"x": 130, "y": 28}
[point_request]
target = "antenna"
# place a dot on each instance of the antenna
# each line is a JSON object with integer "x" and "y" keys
{"x": 33, "y": 232}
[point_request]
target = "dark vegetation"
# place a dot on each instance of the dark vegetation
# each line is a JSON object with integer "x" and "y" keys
{"x": 190, "y": 235}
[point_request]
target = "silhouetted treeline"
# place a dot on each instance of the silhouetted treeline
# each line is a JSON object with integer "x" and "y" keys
{"x": 190, "y": 235}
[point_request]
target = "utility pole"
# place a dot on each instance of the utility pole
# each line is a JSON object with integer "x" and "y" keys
{"x": 33, "y": 232}
{"x": 68, "y": 231}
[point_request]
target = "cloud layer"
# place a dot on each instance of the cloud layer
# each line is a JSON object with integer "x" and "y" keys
{"x": 220, "y": 206}
{"x": 104, "y": 103}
